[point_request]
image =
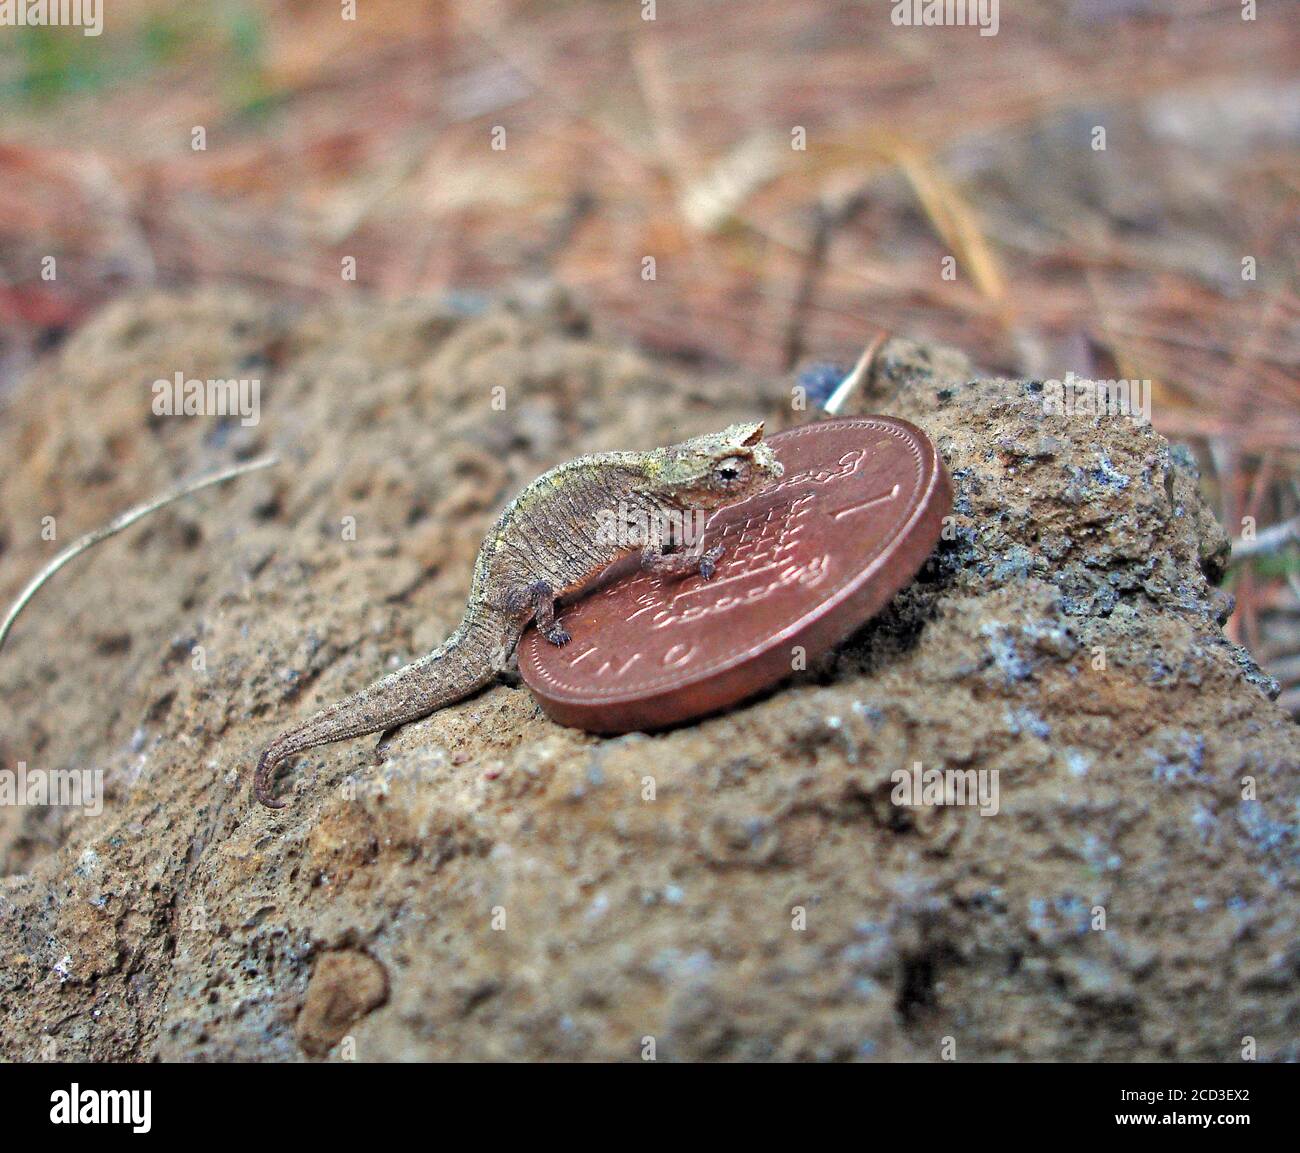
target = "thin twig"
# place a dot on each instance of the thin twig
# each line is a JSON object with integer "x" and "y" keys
{"x": 117, "y": 524}
{"x": 1267, "y": 541}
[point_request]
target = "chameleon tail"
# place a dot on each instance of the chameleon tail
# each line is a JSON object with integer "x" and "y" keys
{"x": 459, "y": 667}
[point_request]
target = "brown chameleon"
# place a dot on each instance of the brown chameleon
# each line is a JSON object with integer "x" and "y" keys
{"x": 550, "y": 542}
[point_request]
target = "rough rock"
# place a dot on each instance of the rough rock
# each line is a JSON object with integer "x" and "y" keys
{"x": 344, "y": 987}
{"x": 500, "y": 887}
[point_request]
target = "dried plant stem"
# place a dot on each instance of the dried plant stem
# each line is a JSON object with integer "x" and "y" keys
{"x": 117, "y": 524}
{"x": 1268, "y": 541}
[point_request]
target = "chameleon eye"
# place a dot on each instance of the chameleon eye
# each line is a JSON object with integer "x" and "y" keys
{"x": 731, "y": 470}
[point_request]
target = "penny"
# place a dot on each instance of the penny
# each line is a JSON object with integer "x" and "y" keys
{"x": 807, "y": 561}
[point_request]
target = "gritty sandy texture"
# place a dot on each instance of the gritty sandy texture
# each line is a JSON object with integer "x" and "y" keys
{"x": 499, "y": 887}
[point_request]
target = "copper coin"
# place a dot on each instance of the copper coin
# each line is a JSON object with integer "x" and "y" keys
{"x": 807, "y": 561}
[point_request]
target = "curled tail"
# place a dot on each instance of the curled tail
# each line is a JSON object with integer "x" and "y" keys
{"x": 465, "y": 663}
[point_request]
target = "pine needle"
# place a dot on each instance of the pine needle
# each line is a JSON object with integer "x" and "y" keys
{"x": 953, "y": 219}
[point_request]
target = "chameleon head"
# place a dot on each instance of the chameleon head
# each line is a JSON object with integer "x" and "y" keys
{"x": 719, "y": 468}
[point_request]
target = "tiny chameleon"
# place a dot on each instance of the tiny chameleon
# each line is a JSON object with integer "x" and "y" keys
{"x": 547, "y": 544}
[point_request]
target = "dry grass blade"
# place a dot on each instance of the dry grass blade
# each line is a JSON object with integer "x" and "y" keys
{"x": 116, "y": 525}
{"x": 858, "y": 375}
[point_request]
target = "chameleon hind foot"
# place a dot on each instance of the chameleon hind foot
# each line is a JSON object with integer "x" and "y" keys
{"x": 543, "y": 598}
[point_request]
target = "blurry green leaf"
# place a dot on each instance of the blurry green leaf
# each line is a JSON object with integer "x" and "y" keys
{"x": 245, "y": 30}
{"x": 56, "y": 62}
{"x": 163, "y": 35}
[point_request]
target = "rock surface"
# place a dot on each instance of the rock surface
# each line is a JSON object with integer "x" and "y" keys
{"x": 498, "y": 887}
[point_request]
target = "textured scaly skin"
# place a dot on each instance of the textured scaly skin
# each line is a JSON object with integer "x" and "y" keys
{"x": 547, "y": 544}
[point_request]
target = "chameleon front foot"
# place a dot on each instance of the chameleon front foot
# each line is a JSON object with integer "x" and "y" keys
{"x": 709, "y": 562}
{"x": 676, "y": 565}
